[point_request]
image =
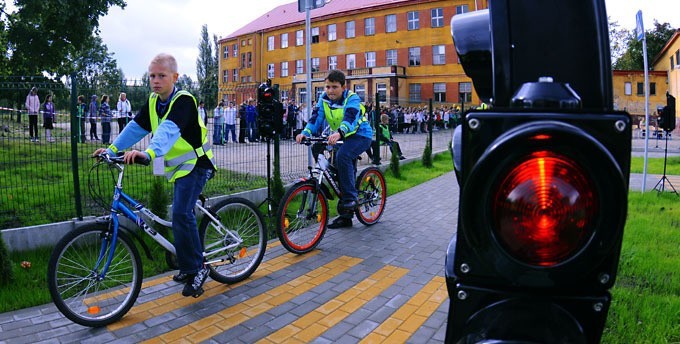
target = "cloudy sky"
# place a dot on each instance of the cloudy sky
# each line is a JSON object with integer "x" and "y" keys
{"x": 147, "y": 27}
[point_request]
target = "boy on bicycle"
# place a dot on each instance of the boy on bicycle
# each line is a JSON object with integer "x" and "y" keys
{"x": 180, "y": 140}
{"x": 343, "y": 111}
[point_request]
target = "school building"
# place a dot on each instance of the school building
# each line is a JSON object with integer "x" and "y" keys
{"x": 401, "y": 50}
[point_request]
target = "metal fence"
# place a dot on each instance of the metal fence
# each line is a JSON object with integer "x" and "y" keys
{"x": 46, "y": 181}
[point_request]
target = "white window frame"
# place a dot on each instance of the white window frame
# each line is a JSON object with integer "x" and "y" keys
{"x": 439, "y": 89}
{"x": 389, "y": 59}
{"x": 315, "y": 35}
{"x": 415, "y": 91}
{"x": 332, "y": 62}
{"x": 284, "y": 40}
{"x": 299, "y": 37}
{"x": 369, "y": 26}
{"x": 413, "y": 19}
{"x": 413, "y": 58}
{"x": 332, "y": 32}
{"x": 284, "y": 68}
{"x": 437, "y": 17}
{"x": 438, "y": 54}
{"x": 381, "y": 88}
{"x": 225, "y": 76}
{"x": 391, "y": 23}
{"x": 315, "y": 64}
{"x": 270, "y": 43}
{"x": 462, "y": 9}
{"x": 350, "y": 29}
{"x": 225, "y": 53}
{"x": 370, "y": 59}
{"x": 299, "y": 66}
{"x": 351, "y": 61}
{"x": 270, "y": 70}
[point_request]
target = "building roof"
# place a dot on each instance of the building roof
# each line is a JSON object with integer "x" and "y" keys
{"x": 668, "y": 45}
{"x": 288, "y": 14}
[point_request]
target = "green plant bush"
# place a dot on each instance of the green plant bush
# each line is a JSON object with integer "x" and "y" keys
{"x": 6, "y": 273}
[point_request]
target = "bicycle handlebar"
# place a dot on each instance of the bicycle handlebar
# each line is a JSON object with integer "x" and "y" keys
{"x": 118, "y": 159}
{"x": 308, "y": 141}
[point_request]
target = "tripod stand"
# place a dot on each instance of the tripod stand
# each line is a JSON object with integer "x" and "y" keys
{"x": 660, "y": 186}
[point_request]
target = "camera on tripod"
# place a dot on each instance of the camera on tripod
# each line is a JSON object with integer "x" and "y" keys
{"x": 269, "y": 111}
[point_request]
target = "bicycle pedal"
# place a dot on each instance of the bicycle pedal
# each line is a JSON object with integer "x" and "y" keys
{"x": 198, "y": 293}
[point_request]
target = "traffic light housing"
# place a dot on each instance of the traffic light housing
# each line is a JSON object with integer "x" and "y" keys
{"x": 269, "y": 111}
{"x": 667, "y": 115}
{"x": 543, "y": 176}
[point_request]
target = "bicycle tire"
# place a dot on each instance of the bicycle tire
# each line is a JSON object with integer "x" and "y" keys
{"x": 372, "y": 196}
{"x": 72, "y": 281}
{"x": 299, "y": 230}
{"x": 243, "y": 219}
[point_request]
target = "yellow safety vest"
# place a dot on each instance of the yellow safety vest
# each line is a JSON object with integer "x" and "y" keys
{"x": 182, "y": 157}
{"x": 335, "y": 116}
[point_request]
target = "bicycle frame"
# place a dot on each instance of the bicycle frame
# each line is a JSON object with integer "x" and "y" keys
{"x": 124, "y": 204}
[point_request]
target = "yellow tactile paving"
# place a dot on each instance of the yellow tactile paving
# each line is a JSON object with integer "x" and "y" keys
{"x": 318, "y": 321}
{"x": 409, "y": 317}
{"x": 232, "y": 316}
{"x": 166, "y": 304}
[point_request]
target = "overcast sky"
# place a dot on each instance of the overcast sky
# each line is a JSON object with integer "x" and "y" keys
{"x": 147, "y": 27}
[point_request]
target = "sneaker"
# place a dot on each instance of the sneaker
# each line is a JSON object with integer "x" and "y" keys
{"x": 347, "y": 206}
{"x": 340, "y": 222}
{"x": 181, "y": 277}
{"x": 402, "y": 157}
{"x": 194, "y": 286}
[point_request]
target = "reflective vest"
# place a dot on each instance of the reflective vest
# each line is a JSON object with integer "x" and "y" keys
{"x": 335, "y": 116}
{"x": 182, "y": 157}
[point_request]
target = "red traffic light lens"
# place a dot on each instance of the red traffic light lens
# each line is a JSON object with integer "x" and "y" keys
{"x": 544, "y": 209}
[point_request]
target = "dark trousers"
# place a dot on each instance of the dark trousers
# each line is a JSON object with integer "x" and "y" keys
{"x": 93, "y": 129}
{"x": 106, "y": 133}
{"x": 33, "y": 126}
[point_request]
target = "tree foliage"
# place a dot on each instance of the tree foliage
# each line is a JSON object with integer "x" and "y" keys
{"x": 631, "y": 58}
{"x": 206, "y": 68}
{"x": 44, "y": 36}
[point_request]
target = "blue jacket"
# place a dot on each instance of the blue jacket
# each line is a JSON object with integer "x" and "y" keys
{"x": 353, "y": 120}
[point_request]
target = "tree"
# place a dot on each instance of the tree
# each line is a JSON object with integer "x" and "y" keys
{"x": 184, "y": 82}
{"x": 95, "y": 68}
{"x": 206, "y": 69}
{"x": 42, "y": 35}
{"x": 632, "y": 58}
{"x": 618, "y": 40}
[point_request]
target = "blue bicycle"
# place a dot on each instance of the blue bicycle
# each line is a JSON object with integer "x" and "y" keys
{"x": 95, "y": 271}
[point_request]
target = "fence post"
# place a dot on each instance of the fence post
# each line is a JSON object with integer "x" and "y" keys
{"x": 430, "y": 123}
{"x": 74, "y": 147}
{"x": 376, "y": 127}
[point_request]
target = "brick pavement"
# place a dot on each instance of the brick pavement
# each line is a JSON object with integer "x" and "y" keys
{"x": 364, "y": 284}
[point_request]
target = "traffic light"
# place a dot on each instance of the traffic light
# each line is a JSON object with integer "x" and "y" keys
{"x": 269, "y": 111}
{"x": 667, "y": 115}
{"x": 543, "y": 176}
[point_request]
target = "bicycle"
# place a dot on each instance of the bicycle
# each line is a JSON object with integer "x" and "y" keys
{"x": 303, "y": 212}
{"x": 95, "y": 271}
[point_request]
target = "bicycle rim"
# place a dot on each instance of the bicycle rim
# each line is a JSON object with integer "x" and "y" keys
{"x": 372, "y": 195}
{"x": 73, "y": 277}
{"x": 302, "y": 218}
{"x": 244, "y": 221}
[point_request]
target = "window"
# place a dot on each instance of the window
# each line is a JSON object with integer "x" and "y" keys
{"x": 332, "y": 62}
{"x": 250, "y": 41}
{"x": 318, "y": 91}
{"x": 391, "y": 57}
{"x": 414, "y": 56}
{"x": 299, "y": 37}
{"x": 437, "y": 17}
{"x": 465, "y": 92}
{"x": 414, "y": 93}
{"x": 438, "y": 55}
{"x": 244, "y": 79}
{"x": 225, "y": 75}
{"x": 225, "y": 54}
{"x": 284, "y": 69}
{"x": 349, "y": 29}
{"x": 284, "y": 40}
{"x": 652, "y": 88}
{"x": 234, "y": 50}
{"x": 360, "y": 90}
{"x": 382, "y": 91}
{"x": 315, "y": 35}
{"x": 250, "y": 59}
{"x": 243, "y": 60}
{"x": 270, "y": 43}
{"x": 672, "y": 63}
{"x": 640, "y": 88}
{"x": 300, "y": 67}
{"x": 440, "y": 92}
{"x": 462, "y": 9}
{"x": 270, "y": 70}
{"x": 332, "y": 34}
{"x": 370, "y": 59}
{"x": 627, "y": 88}
{"x": 677, "y": 58}
{"x": 234, "y": 75}
{"x": 369, "y": 26}
{"x": 302, "y": 96}
{"x": 315, "y": 64}
{"x": 351, "y": 61}
{"x": 243, "y": 43}
{"x": 413, "y": 20}
{"x": 391, "y": 23}
{"x": 284, "y": 95}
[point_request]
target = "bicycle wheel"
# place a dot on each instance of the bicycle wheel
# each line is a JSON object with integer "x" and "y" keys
{"x": 74, "y": 276}
{"x": 302, "y": 217}
{"x": 372, "y": 195}
{"x": 242, "y": 220}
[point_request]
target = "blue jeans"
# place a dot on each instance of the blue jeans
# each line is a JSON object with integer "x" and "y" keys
{"x": 217, "y": 134}
{"x": 231, "y": 128}
{"x": 252, "y": 131}
{"x": 352, "y": 147}
{"x": 188, "y": 243}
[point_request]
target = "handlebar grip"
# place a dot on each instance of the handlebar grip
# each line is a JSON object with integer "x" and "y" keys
{"x": 142, "y": 161}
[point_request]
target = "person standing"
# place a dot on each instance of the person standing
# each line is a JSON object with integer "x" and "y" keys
{"x": 203, "y": 113}
{"x": 48, "y": 118}
{"x": 343, "y": 111}
{"x": 33, "y": 107}
{"x": 124, "y": 111}
{"x": 251, "y": 121}
{"x": 171, "y": 115}
{"x": 92, "y": 115}
{"x": 218, "y": 124}
{"x": 105, "y": 114}
{"x": 242, "y": 126}
{"x": 230, "y": 122}
{"x": 82, "y": 113}
{"x": 291, "y": 119}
